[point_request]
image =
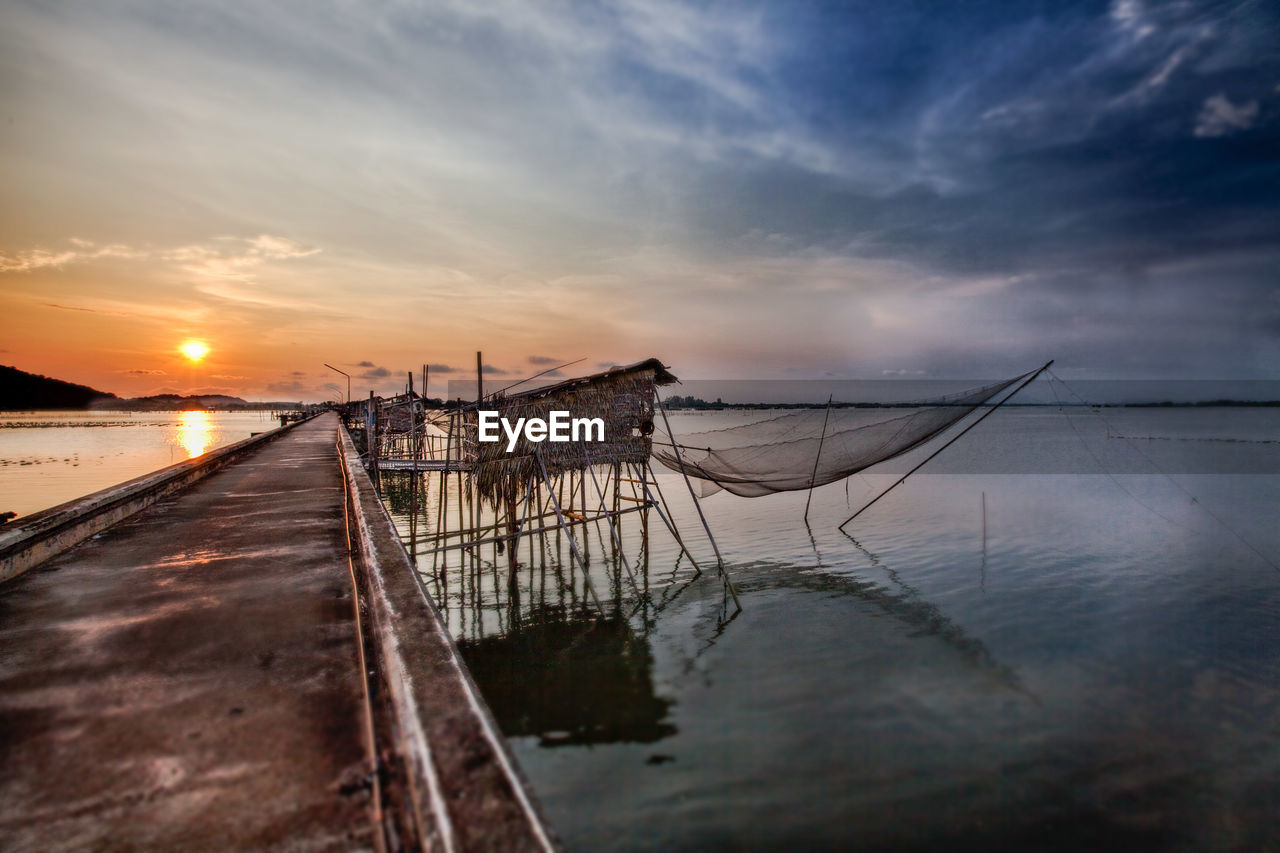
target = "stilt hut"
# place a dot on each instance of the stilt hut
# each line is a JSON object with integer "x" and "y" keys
{"x": 622, "y": 397}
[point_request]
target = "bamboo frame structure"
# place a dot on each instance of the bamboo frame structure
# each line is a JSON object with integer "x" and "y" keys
{"x": 472, "y": 503}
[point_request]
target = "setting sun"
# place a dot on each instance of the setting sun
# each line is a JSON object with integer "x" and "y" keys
{"x": 194, "y": 350}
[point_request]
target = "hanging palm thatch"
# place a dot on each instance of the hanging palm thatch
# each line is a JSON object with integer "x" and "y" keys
{"x": 623, "y": 398}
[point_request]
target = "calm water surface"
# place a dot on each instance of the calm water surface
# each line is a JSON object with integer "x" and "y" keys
{"x": 1098, "y": 668}
{"x": 48, "y": 458}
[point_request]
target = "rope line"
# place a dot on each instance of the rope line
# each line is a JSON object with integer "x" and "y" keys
{"x": 1194, "y": 500}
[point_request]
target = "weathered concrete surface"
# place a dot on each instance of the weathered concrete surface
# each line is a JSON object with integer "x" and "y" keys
{"x": 189, "y": 679}
{"x": 460, "y": 787}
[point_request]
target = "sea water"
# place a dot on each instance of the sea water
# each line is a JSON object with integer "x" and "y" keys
{"x": 1063, "y": 633}
{"x": 48, "y": 458}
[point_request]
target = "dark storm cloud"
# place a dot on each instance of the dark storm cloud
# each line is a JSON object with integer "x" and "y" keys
{"x": 1030, "y": 137}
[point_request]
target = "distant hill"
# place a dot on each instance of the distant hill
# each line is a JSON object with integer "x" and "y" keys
{"x": 20, "y": 391}
{"x": 177, "y": 402}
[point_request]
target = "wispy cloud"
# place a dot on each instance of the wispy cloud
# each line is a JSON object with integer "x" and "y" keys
{"x": 1220, "y": 117}
{"x": 82, "y": 251}
{"x": 236, "y": 258}
{"x": 82, "y": 308}
{"x": 226, "y": 257}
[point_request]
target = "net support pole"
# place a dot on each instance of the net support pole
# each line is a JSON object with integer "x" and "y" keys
{"x": 952, "y": 441}
{"x": 724, "y": 574}
{"x": 816, "y": 458}
{"x": 696, "y": 504}
{"x": 669, "y": 522}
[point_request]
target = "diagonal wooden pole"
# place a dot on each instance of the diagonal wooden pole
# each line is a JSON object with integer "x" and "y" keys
{"x": 817, "y": 457}
{"x": 692, "y": 493}
{"x": 953, "y": 440}
{"x": 650, "y": 500}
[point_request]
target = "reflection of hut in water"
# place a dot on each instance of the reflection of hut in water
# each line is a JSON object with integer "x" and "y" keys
{"x": 570, "y": 682}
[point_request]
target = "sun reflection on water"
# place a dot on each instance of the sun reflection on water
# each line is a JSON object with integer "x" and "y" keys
{"x": 195, "y": 432}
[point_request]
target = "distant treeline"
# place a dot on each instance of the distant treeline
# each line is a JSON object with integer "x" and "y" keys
{"x": 178, "y": 402}
{"x": 23, "y": 392}
{"x": 675, "y": 401}
{"x": 1170, "y": 404}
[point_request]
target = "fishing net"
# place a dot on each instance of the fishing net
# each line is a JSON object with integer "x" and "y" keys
{"x": 813, "y": 447}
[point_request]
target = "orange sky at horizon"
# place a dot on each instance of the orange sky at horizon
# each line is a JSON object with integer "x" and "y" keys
{"x": 116, "y": 322}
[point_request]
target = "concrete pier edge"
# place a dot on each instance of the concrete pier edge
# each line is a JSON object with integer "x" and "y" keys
{"x": 463, "y": 788}
{"x": 41, "y": 536}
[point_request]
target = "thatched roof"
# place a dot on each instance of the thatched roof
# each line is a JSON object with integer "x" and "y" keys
{"x": 661, "y": 376}
{"x": 621, "y": 397}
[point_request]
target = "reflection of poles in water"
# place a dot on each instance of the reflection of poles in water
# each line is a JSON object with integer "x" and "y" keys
{"x": 911, "y": 608}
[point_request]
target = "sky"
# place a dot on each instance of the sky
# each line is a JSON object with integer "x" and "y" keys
{"x": 774, "y": 190}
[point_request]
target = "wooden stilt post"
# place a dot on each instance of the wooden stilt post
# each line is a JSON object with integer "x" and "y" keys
{"x": 371, "y": 427}
{"x": 613, "y": 531}
{"x": 413, "y": 473}
{"x": 573, "y": 545}
{"x": 670, "y": 523}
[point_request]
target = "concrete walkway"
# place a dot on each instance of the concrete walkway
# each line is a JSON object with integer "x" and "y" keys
{"x": 190, "y": 679}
